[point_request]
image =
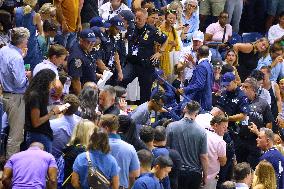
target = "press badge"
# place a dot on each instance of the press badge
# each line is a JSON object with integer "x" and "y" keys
{"x": 134, "y": 51}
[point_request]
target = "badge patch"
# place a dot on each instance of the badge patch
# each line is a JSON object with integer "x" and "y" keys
{"x": 78, "y": 63}
{"x": 145, "y": 36}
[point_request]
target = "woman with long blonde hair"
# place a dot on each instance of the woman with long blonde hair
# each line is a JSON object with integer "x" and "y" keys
{"x": 264, "y": 177}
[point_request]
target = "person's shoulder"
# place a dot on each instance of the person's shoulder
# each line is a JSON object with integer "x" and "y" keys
{"x": 105, "y": 6}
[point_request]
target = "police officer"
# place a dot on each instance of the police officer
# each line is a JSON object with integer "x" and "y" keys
{"x": 141, "y": 56}
{"x": 81, "y": 65}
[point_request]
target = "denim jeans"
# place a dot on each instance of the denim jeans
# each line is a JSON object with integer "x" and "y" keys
{"x": 66, "y": 40}
{"x": 234, "y": 8}
{"x": 38, "y": 137}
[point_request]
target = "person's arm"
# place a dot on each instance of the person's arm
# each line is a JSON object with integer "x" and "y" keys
{"x": 114, "y": 182}
{"x": 221, "y": 152}
{"x": 60, "y": 16}
{"x": 7, "y": 178}
{"x": 222, "y": 160}
{"x": 37, "y": 121}
{"x": 278, "y": 97}
{"x": 38, "y": 23}
{"x": 237, "y": 117}
{"x": 76, "y": 85}
{"x": 208, "y": 37}
{"x": 204, "y": 164}
{"x": 118, "y": 66}
{"x": 75, "y": 180}
{"x": 52, "y": 178}
{"x": 101, "y": 65}
{"x": 132, "y": 177}
{"x": 243, "y": 47}
{"x": 79, "y": 24}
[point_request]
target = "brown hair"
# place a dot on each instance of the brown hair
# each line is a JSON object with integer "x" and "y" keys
{"x": 265, "y": 175}
{"x": 109, "y": 121}
{"x": 56, "y": 50}
{"x": 218, "y": 119}
{"x": 99, "y": 141}
{"x": 236, "y": 63}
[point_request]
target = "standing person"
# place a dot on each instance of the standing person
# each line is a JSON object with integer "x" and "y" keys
{"x": 26, "y": 17}
{"x": 68, "y": 15}
{"x": 200, "y": 87}
{"x": 19, "y": 172}
{"x": 243, "y": 175}
{"x": 234, "y": 8}
{"x": 14, "y": 81}
{"x": 141, "y": 54}
{"x": 249, "y": 54}
{"x": 111, "y": 9}
{"x": 37, "y": 125}
{"x": 81, "y": 65}
{"x": 264, "y": 176}
{"x": 275, "y": 32}
{"x": 172, "y": 41}
{"x": 99, "y": 153}
{"x": 190, "y": 21}
{"x": 216, "y": 149}
{"x": 190, "y": 141}
{"x": 271, "y": 154}
{"x": 123, "y": 152}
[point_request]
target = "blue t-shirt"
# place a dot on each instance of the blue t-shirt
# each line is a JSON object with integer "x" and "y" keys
{"x": 147, "y": 181}
{"x": 104, "y": 162}
{"x": 125, "y": 156}
{"x": 277, "y": 160}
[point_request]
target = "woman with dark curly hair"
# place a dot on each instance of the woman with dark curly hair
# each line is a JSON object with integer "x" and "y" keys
{"x": 37, "y": 126}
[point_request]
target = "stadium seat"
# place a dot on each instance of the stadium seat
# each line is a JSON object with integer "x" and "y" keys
{"x": 236, "y": 38}
{"x": 251, "y": 37}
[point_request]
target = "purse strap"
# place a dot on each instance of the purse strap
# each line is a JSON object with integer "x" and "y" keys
{"x": 89, "y": 159}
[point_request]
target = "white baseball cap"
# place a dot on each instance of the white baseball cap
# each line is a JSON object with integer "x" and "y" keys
{"x": 198, "y": 35}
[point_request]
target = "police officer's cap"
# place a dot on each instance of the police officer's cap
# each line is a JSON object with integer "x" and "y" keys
{"x": 88, "y": 34}
{"x": 117, "y": 22}
{"x": 99, "y": 33}
{"x": 99, "y": 22}
{"x": 227, "y": 78}
{"x": 128, "y": 16}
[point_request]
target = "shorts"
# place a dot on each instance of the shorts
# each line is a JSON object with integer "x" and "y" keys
{"x": 211, "y": 7}
{"x": 275, "y": 7}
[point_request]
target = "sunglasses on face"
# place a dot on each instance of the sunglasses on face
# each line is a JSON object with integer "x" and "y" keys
{"x": 171, "y": 11}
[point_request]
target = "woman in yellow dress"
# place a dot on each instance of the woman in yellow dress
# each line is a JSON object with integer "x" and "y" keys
{"x": 172, "y": 42}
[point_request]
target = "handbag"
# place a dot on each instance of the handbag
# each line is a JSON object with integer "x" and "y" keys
{"x": 96, "y": 178}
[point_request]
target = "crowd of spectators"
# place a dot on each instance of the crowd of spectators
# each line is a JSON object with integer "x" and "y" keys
{"x": 142, "y": 94}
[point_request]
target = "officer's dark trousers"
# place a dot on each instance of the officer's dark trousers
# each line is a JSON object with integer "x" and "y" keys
{"x": 145, "y": 77}
{"x": 189, "y": 180}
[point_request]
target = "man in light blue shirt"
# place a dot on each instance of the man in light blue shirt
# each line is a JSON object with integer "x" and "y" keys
{"x": 63, "y": 127}
{"x": 123, "y": 152}
{"x": 14, "y": 81}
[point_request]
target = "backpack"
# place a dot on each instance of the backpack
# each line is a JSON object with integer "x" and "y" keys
{"x": 96, "y": 178}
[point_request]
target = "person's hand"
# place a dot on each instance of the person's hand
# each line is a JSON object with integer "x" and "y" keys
{"x": 156, "y": 57}
{"x": 116, "y": 57}
{"x": 56, "y": 110}
{"x": 24, "y": 52}
{"x": 64, "y": 28}
{"x": 279, "y": 120}
{"x": 119, "y": 76}
{"x": 180, "y": 91}
{"x": 204, "y": 180}
{"x": 185, "y": 29}
{"x": 189, "y": 58}
{"x": 99, "y": 76}
{"x": 29, "y": 75}
{"x": 253, "y": 128}
{"x": 79, "y": 27}
{"x": 172, "y": 43}
{"x": 122, "y": 104}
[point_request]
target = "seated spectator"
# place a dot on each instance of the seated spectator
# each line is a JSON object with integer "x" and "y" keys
{"x": 231, "y": 58}
{"x": 5, "y": 25}
{"x": 128, "y": 132}
{"x": 111, "y": 9}
{"x": 63, "y": 127}
{"x": 147, "y": 136}
{"x": 218, "y": 32}
{"x": 78, "y": 144}
{"x": 276, "y": 32}
{"x": 190, "y": 21}
{"x": 249, "y": 54}
{"x": 264, "y": 176}
{"x": 88, "y": 103}
{"x": 161, "y": 149}
{"x": 99, "y": 151}
{"x": 243, "y": 175}
{"x": 29, "y": 169}
{"x": 151, "y": 178}
{"x": 275, "y": 60}
{"x": 107, "y": 103}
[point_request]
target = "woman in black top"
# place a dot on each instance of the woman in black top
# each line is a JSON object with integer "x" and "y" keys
{"x": 249, "y": 54}
{"x": 37, "y": 126}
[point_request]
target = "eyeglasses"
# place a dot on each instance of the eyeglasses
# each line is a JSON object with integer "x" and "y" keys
{"x": 218, "y": 67}
{"x": 171, "y": 11}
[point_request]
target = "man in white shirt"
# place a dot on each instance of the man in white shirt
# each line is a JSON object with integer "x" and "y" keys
{"x": 243, "y": 175}
{"x": 111, "y": 9}
{"x": 276, "y": 32}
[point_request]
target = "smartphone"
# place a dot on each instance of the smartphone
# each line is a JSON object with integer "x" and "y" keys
{"x": 64, "y": 107}
{"x": 185, "y": 25}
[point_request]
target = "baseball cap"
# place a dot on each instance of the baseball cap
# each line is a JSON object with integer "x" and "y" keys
{"x": 128, "y": 16}
{"x": 227, "y": 78}
{"x": 88, "y": 34}
{"x": 97, "y": 31}
{"x": 198, "y": 35}
{"x": 99, "y": 22}
{"x": 117, "y": 22}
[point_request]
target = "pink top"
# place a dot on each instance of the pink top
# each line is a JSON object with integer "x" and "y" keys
{"x": 217, "y": 31}
{"x": 216, "y": 147}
